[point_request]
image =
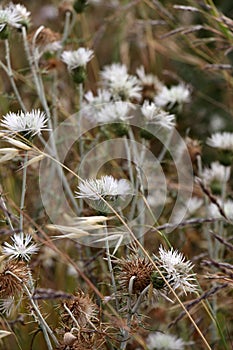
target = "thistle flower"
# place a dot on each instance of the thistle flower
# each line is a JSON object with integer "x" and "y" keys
{"x": 14, "y": 15}
{"x": 28, "y": 124}
{"x": 149, "y": 82}
{"x": 103, "y": 96}
{"x": 93, "y": 104}
{"x": 82, "y": 308}
{"x": 107, "y": 187}
{"x": 7, "y": 305}
{"x": 161, "y": 341}
{"x": 121, "y": 85}
{"x": 21, "y": 248}
{"x": 221, "y": 140}
{"x": 166, "y": 97}
{"x": 113, "y": 111}
{"x": 227, "y": 206}
{"x": 78, "y": 58}
{"x": 216, "y": 176}
{"x": 148, "y": 79}
{"x": 12, "y": 277}
{"x": 135, "y": 268}
{"x": 156, "y": 115}
{"x": 176, "y": 270}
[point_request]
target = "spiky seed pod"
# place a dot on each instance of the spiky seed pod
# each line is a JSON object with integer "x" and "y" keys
{"x": 134, "y": 266}
{"x": 82, "y": 308}
{"x": 12, "y": 278}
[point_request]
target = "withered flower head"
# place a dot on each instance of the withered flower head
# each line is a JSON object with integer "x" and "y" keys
{"x": 134, "y": 266}
{"x": 82, "y": 308}
{"x": 45, "y": 40}
{"x": 194, "y": 148}
{"x": 12, "y": 277}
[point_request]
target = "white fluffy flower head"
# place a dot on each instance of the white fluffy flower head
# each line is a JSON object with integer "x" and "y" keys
{"x": 176, "y": 270}
{"x": 93, "y": 104}
{"x": 156, "y": 115}
{"x": 113, "y": 111}
{"x": 216, "y": 172}
{"x": 106, "y": 186}
{"x": 14, "y": 15}
{"x": 227, "y": 207}
{"x": 221, "y": 140}
{"x": 21, "y": 248}
{"x": 121, "y": 85}
{"x": 179, "y": 94}
{"x": 29, "y": 123}
{"x": 148, "y": 79}
{"x": 78, "y": 58}
{"x": 161, "y": 341}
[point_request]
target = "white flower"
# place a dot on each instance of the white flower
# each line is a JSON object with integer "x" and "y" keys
{"x": 103, "y": 96}
{"x": 21, "y": 12}
{"x": 221, "y": 140}
{"x": 227, "y": 207}
{"x": 161, "y": 341}
{"x": 106, "y": 186}
{"x": 148, "y": 79}
{"x": 176, "y": 270}
{"x": 121, "y": 85}
{"x": 114, "y": 71}
{"x": 78, "y": 58}
{"x": 7, "y": 305}
{"x": 216, "y": 172}
{"x": 169, "y": 97}
{"x": 14, "y": 15}
{"x": 29, "y": 123}
{"x": 155, "y": 114}
{"x": 193, "y": 205}
{"x": 21, "y": 248}
{"x": 113, "y": 111}
{"x": 188, "y": 209}
{"x": 93, "y": 104}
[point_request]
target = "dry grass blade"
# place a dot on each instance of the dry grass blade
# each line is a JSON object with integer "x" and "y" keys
{"x": 182, "y": 30}
{"x": 211, "y": 197}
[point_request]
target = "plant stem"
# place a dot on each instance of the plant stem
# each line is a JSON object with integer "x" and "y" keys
{"x": 23, "y": 192}
{"x": 11, "y": 76}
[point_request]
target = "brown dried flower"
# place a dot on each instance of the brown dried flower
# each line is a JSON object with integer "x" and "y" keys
{"x": 45, "y": 37}
{"x": 82, "y": 308}
{"x": 134, "y": 266}
{"x": 14, "y": 274}
{"x": 194, "y": 148}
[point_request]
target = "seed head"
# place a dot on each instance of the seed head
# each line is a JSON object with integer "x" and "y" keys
{"x": 12, "y": 278}
{"x": 134, "y": 266}
{"x": 82, "y": 308}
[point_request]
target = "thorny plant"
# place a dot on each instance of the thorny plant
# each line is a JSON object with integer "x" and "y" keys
{"x": 98, "y": 263}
